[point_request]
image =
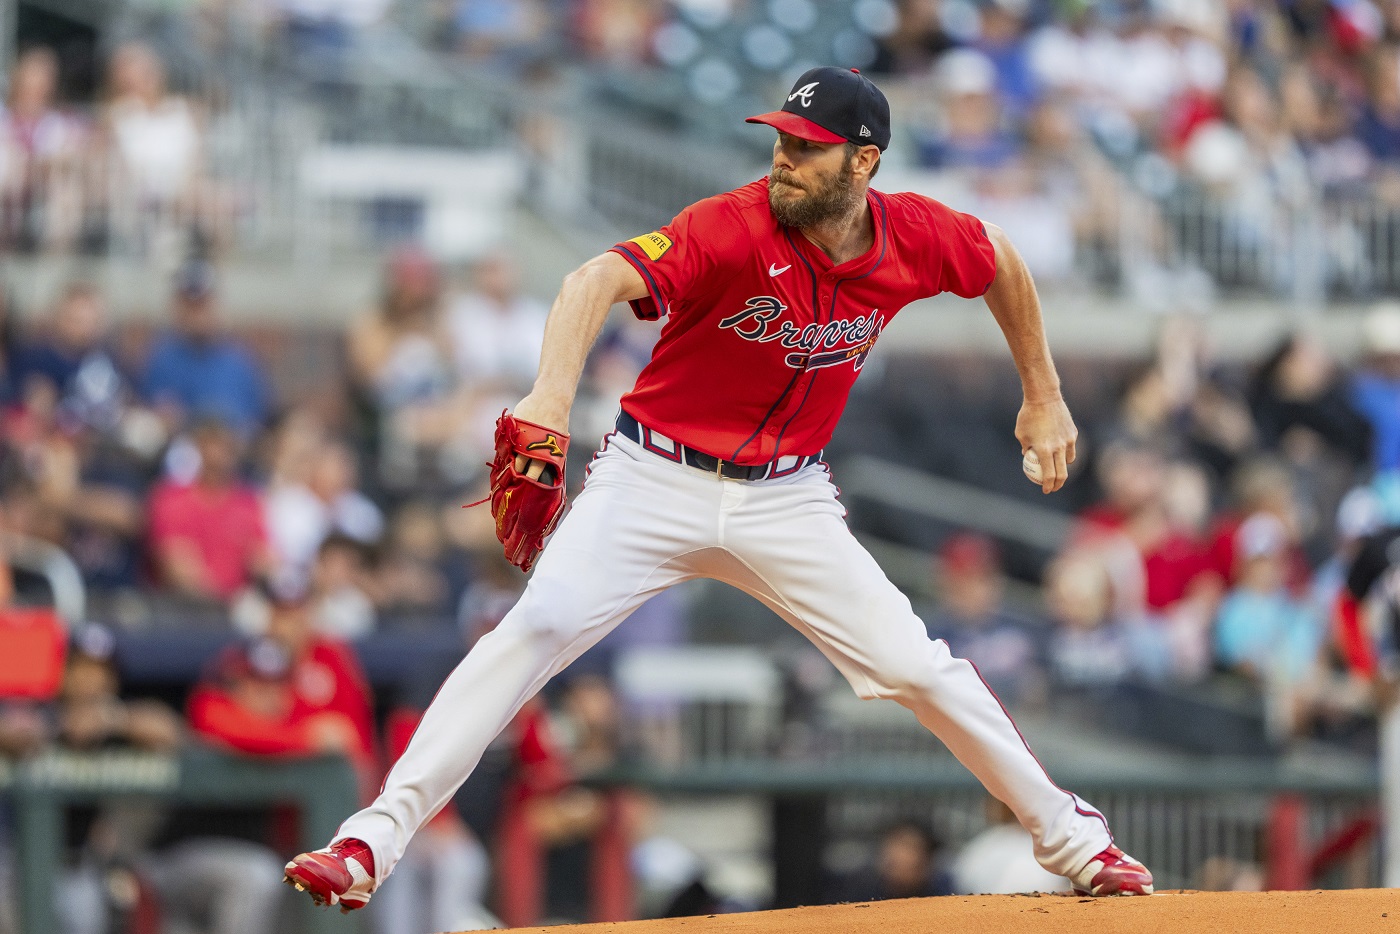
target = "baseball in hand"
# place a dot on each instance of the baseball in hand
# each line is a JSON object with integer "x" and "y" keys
{"x": 1030, "y": 465}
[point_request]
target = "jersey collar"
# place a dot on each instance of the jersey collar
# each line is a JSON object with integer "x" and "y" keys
{"x": 861, "y": 265}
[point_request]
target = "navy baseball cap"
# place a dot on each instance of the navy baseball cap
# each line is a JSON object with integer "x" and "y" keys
{"x": 833, "y": 105}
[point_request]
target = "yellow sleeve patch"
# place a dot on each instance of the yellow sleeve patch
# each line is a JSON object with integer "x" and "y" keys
{"x": 653, "y": 244}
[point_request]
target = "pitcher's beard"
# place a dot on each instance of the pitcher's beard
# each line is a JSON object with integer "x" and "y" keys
{"x": 835, "y": 199}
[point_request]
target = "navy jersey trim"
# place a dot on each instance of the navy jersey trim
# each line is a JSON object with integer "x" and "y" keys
{"x": 658, "y": 302}
{"x": 831, "y": 312}
{"x": 777, "y": 443}
{"x": 816, "y": 314}
{"x": 816, "y": 306}
{"x": 779, "y": 401}
{"x": 816, "y": 311}
{"x": 884, "y": 235}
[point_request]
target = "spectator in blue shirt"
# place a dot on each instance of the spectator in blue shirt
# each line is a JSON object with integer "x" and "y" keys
{"x": 1094, "y": 643}
{"x": 1375, "y": 389}
{"x": 195, "y": 371}
{"x": 973, "y": 617}
{"x": 1003, "y": 41}
{"x": 973, "y": 135}
{"x": 1378, "y": 126}
{"x": 74, "y": 358}
{"x": 1262, "y": 631}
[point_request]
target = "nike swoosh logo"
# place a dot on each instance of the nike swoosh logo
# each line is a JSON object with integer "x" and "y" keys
{"x": 773, "y": 269}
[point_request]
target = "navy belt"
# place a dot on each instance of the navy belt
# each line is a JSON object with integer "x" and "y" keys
{"x": 672, "y": 450}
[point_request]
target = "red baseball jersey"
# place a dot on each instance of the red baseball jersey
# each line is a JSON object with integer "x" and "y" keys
{"x": 764, "y": 335}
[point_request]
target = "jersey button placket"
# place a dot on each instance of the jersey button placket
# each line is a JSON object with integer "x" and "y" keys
{"x": 769, "y": 446}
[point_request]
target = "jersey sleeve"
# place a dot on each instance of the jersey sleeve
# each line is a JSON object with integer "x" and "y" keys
{"x": 678, "y": 261}
{"x": 959, "y": 256}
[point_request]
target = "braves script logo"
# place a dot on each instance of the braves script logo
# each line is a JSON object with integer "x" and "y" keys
{"x": 815, "y": 345}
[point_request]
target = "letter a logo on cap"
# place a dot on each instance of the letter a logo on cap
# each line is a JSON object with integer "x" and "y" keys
{"x": 805, "y": 92}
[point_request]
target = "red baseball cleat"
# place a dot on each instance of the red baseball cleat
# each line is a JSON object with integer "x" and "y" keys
{"x": 341, "y": 874}
{"x": 1113, "y": 872}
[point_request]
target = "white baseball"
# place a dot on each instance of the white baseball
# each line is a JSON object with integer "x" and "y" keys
{"x": 1030, "y": 465}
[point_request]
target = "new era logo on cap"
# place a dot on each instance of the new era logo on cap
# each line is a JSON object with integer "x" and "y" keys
{"x": 850, "y": 108}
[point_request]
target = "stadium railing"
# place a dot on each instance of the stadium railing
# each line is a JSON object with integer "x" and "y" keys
{"x": 53, "y": 564}
{"x": 598, "y": 158}
{"x": 958, "y": 504}
{"x": 1176, "y": 812}
{"x": 323, "y": 790}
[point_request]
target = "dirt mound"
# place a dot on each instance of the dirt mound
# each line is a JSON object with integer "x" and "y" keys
{"x": 1345, "y": 912}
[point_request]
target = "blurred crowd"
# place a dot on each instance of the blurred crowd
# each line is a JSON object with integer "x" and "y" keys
{"x": 162, "y": 461}
{"x": 1191, "y": 130}
{"x": 1233, "y": 524}
{"x": 1231, "y": 529}
{"x": 1231, "y": 94}
{"x": 126, "y": 172}
{"x": 1236, "y": 93}
{"x": 1186, "y": 134}
{"x": 1223, "y": 515}
{"x": 1244, "y": 144}
{"x": 143, "y": 867}
{"x": 193, "y": 498}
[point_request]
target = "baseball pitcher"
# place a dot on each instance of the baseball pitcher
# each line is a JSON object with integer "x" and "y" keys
{"x": 772, "y": 297}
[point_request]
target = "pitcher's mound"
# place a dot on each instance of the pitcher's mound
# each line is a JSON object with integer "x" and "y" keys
{"x": 1333, "y": 912}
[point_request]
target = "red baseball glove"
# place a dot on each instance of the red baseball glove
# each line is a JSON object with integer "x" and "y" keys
{"x": 526, "y": 510}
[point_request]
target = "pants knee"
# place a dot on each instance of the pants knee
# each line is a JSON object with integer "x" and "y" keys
{"x": 551, "y": 614}
{"x": 909, "y": 678}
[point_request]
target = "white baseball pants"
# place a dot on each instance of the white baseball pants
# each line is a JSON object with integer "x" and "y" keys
{"x": 642, "y": 524}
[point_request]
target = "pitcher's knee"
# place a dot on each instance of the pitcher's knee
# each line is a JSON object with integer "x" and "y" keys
{"x": 552, "y": 612}
{"x": 910, "y": 677}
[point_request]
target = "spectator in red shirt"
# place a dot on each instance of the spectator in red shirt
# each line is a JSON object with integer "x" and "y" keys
{"x": 1261, "y": 486}
{"x": 291, "y": 692}
{"x": 207, "y": 537}
{"x": 543, "y": 815}
{"x": 1158, "y": 507}
{"x": 1149, "y": 533}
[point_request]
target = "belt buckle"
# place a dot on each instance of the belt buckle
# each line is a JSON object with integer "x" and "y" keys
{"x": 719, "y": 469}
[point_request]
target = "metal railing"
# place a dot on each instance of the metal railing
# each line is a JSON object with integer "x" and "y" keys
{"x": 1177, "y": 813}
{"x": 263, "y": 113}
{"x": 323, "y": 788}
{"x": 700, "y": 703}
{"x": 58, "y": 570}
{"x": 957, "y": 504}
{"x": 597, "y": 164}
{"x": 1185, "y": 838}
{"x": 641, "y": 179}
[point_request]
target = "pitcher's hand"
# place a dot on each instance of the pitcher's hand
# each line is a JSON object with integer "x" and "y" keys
{"x": 541, "y": 412}
{"x": 1047, "y": 428}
